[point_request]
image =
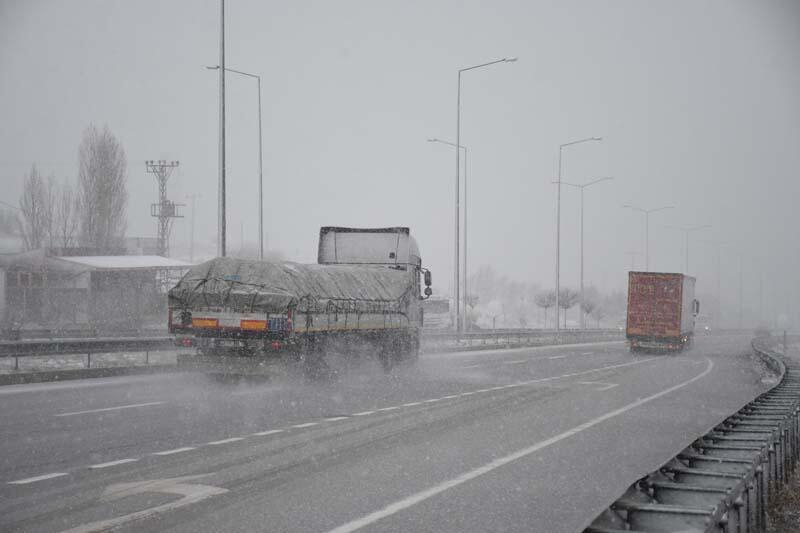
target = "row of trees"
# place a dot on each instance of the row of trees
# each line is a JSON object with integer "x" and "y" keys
{"x": 92, "y": 213}
{"x": 497, "y": 301}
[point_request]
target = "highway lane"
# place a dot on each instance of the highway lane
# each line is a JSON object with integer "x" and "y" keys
{"x": 292, "y": 456}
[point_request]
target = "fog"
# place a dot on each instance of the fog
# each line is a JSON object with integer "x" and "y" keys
{"x": 696, "y": 103}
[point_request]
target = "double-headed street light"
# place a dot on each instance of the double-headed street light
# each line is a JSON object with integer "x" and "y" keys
{"x": 558, "y": 219}
{"x": 456, "y": 276}
{"x": 686, "y": 230}
{"x": 582, "y": 187}
{"x": 434, "y": 140}
{"x": 718, "y": 264}
{"x": 260, "y": 162}
{"x": 647, "y": 229}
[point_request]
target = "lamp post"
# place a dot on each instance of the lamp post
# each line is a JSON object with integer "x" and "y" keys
{"x": 647, "y": 229}
{"x": 434, "y": 140}
{"x": 582, "y": 187}
{"x": 194, "y": 196}
{"x": 558, "y": 220}
{"x": 718, "y": 265}
{"x": 221, "y": 217}
{"x": 260, "y": 163}
{"x": 458, "y": 165}
{"x": 686, "y": 230}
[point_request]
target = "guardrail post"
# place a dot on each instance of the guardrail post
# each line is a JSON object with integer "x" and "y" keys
{"x": 16, "y": 362}
{"x": 147, "y": 357}
{"x": 88, "y": 359}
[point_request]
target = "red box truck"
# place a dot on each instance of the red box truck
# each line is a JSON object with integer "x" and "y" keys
{"x": 661, "y": 311}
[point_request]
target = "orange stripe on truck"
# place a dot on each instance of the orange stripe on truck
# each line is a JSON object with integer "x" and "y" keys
{"x": 205, "y": 323}
{"x": 253, "y": 325}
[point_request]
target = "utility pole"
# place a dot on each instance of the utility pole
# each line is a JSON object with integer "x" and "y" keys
{"x": 164, "y": 210}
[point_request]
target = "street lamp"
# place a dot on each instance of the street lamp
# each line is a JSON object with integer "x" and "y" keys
{"x": 458, "y": 166}
{"x": 647, "y": 229}
{"x": 582, "y": 187}
{"x": 718, "y": 261}
{"x": 260, "y": 163}
{"x": 558, "y": 221}
{"x": 194, "y": 196}
{"x": 686, "y": 230}
{"x": 434, "y": 140}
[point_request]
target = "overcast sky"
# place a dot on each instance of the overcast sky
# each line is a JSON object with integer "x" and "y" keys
{"x": 697, "y": 103}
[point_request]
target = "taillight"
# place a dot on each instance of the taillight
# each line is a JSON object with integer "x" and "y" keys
{"x": 276, "y": 345}
{"x": 253, "y": 325}
{"x": 187, "y": 342}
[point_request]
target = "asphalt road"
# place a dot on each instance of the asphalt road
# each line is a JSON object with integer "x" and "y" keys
{"x": 533, "y": 439}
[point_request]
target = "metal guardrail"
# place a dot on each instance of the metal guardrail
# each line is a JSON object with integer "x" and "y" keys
{"x": 723, "y": 482}
{"x": 431, "y": 341}
{"x": 435, "y": 340}
{"x": 43, "y": 347}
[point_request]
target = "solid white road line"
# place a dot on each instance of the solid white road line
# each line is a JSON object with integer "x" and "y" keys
{"x": 176, "y": 450}
{"x": 558, "y": 357}
{"x": 37, "y": 478}
{"x": 363, "y": 413}
{"x": 335, "y": 418}
{"x": 104, "y": 409}
{"x": 268, "y": 432}
{"x": 113, "y": 463}
{"x": 421, "y": 496}
{"x": 305, "y": 425}
{"x": 224, "y": 441}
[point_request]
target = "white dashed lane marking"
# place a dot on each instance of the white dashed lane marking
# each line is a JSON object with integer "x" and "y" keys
{"x": 175, "y": 450}
{"x": 113, "y": 463}
{"x": 224, "y": 441}
{"x": 268, "y": 432}
{"x": 517, "y": 362}
{"x": 104, "y": 409}
{"x": 37, "y": 478}
{"x": 603, "y": 386}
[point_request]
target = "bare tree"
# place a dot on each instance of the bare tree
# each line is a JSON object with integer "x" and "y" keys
{"x": 34, "y": 211}
{"x": 598, "y": 313}
{"x": 65, "y": 216}
{"x": 545, "y": 300}
{"x": 102, "y": 193}
{"x": 472, "y": 314}
{"x": 567, "y": 299}
{"x": 591, "y": 299}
